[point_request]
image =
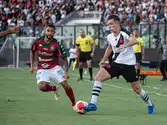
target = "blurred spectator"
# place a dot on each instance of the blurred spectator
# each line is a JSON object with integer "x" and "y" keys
{"x": 41, "y": 12}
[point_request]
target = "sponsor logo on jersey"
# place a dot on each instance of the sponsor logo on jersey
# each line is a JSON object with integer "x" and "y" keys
{"x": 44, "y": 60}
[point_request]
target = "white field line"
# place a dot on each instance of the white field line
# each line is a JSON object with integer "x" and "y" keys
{"x": 119, "y": 87}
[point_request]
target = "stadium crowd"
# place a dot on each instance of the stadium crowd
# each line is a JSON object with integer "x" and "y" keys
{"x": 137, "y": 11}
{"x": 41, "y": 12}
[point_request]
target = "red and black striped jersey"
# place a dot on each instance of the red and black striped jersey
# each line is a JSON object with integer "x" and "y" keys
{"x": 48, "y": 53}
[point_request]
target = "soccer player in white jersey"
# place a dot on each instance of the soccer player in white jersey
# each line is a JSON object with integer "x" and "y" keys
{"x": 120, "y": 42}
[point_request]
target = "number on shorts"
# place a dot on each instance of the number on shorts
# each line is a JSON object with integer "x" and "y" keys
{"x": 60, "y": 72}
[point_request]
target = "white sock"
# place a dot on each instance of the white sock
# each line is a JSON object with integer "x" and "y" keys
{"x": 96, "y": 91}
{"x": 145, "y": 97}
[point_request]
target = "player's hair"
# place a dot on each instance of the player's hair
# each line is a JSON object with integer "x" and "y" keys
{"x": 114, "y": 17}
{"x": 135, "y": 29}
{"x": 50, "y": 25}
{"x": 82, "y": 30}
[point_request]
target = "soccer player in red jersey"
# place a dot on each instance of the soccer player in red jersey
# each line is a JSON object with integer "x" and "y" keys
{"x": 48, "y": 52}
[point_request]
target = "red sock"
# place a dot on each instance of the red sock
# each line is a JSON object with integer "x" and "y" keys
{"x": 70, "y": 94}
{"x": 49, "y": 88}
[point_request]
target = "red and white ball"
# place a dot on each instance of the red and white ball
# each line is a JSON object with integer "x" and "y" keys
{"x": 80, "y": 107}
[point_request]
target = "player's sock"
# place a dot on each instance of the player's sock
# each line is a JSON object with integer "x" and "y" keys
{"x": 70, "y": 94}
{"x": 145, "y": 97}
{"x": 96, "y": 91}
{"x": 49, "y": 88}
{"x": 80, "y": 72}
{"x": 90, "y": 72}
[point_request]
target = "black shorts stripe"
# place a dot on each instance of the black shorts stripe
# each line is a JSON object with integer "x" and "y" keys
{"x": 96, "y": 90}
{"x": 95, "y": 94}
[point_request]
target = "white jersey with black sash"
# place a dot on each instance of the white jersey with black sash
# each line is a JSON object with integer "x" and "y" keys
{"x": 125, "y": 56}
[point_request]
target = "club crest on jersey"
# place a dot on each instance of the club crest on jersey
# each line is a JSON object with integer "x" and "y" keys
{"x": 52, "y": 47}
{"x": 120, "y": 41}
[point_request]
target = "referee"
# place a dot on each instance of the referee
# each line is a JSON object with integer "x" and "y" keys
{"x": 85, "y": 48}
{"x": 139, "y": 51}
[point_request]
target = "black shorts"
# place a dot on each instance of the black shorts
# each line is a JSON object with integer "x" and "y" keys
{"x": 84, "y": 56}
{"x": 127, "y": 71}
{"x": 138, "y": 57}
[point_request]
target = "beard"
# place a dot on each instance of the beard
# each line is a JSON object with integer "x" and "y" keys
{"x": 49, "y": 37}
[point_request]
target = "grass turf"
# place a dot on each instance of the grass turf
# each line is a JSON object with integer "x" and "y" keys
{"x": 21, "y": 103}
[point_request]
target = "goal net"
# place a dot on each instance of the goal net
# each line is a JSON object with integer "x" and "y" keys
{"x": 7, "y": 52}
{"x": 23, "y": 46}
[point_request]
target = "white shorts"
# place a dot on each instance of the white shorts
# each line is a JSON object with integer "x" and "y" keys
{"x": 56, "y": 74}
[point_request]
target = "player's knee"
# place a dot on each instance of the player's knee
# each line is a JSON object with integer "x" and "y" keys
{"x": 98, "y": 78}
{"x": 137, "y": 89}
{"x": 42, "y": 86}
{"x": 65, "y": 85}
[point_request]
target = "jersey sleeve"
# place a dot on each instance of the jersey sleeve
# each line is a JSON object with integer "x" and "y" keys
{"x": 77, "y": 42}
{"x": 62, "y": 50}
{"x": 90, "y": 39}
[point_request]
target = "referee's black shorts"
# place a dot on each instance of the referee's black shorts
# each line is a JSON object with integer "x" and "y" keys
{"x": 127, "y": 71}
{"x": 138, "y": 57}
{"x": 84, "y": 56}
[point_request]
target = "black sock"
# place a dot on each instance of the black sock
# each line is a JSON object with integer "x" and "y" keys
{"x": 80, "y": 72}
{"x": 90, "y": 72}
{"x": 138, "y": 72}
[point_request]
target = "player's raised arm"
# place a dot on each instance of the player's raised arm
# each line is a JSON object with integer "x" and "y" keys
{"x": 9, "y": 31}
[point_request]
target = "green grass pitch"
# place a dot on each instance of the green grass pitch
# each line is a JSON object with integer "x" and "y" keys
{"x": 21, "y": 103}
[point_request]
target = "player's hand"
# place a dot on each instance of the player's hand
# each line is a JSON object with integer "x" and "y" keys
{"x": 122, "y": 47}
{"x": 31, "y": 70}
{"x": 66, "y": 76}
{"x": 92, "y": 54}
{"x": 14, "y": 29}
{"x": 101, "y": 64}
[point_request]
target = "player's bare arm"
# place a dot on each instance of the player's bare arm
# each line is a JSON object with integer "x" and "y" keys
{"x": 32, "y": 56}
{"x": 9, "y": 31}
{"x": 106, "y": 55}
{"x": 93, "y": 49}
{"x": 66, "y": 76}
{"x": 142, "y": 52}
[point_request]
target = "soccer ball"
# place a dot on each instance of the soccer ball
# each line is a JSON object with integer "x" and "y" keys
{"x": 80, "y": 107}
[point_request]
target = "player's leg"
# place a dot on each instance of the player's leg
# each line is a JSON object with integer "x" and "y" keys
{"x": 89, "y": 64}
{"x": 43, "y": 81}
{"x": 69, "y": 91}
{"x": 103, "y": 75}
{"x": 70, "y": 62}
{"x": 57, "y": 74}
{"x": 130, "y": 76}
{"x": 81, "y": 64}
{"x": 162, "y": 69}
{"x": 138, "y": 62}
